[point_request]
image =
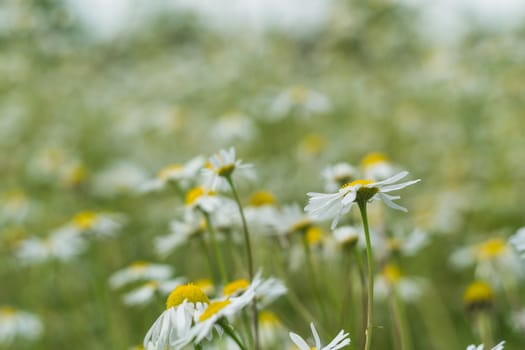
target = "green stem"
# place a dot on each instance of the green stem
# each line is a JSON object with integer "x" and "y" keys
{"x": 364, "y": 299}
{"x": 484, "y": 328}
{"x": 218, "y": 254}
{"x": 197, "y": 346}
{"x": 370, "y": 261}
{"x": 249, "y": 254}
{"x": 313, "y": 277}
{"x": 401, "y": 320}
{"x": 228, "y": 329}
{"x": 206, "y": 250}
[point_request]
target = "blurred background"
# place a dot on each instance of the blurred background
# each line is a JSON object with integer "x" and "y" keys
{"x": 97, "y": 96}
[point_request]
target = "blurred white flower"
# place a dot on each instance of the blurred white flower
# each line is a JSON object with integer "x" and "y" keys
{"x": 518, "y": 242}
{"x": 292, "y": 219}
{"x": 337, "y": 175}
{"x": 140, "y": 271}
{"x": 341, "y": 340}
{"x": 376, "y": 166}
{"x": 147, "y": 291}
{"x": 15, "y": 206}
{"x": 234, "y": 126}
{"x": 183, "y": 175}
{"x": 180, "y": 233}
{"x": 18, "y": 324}
{"x": 391, "y": 280}
{"x": 97, "y": 224}
{"x": 301, "y": 100}
{"x": 62, "y": 244}
{"x": 119, "y": 178}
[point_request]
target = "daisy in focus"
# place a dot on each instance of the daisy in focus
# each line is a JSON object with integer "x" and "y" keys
{"x": 341, "y": 340}
{"x": 333, "y": 205}
{"x": 221, "y": 166}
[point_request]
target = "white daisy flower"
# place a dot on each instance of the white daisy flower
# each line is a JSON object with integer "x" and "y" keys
{"x": 493, "y": 258}
{"x": 234, "y": 126}
{"x": 119, "y": 178}
{"x": 18, "y": 324}
{"x": 146, "y": 292}
{"x": 181, "y": 232}
{"x": 333, "y": 205}
{"x": 341, "y": 340}
{"x": 377, "y": 166}
{"x": 409, "y": 289}
{"x": 261, "y": 212}
{"x": 171, "y": 329}
{"x": 223, "y": 165}
{"x": 337, "y": 175}
{"x": 182, "y": 174}
{"x": 98, "y": 225}
{"x": 140, "y": 271}
{"x": 266, "y": 290}
{"x": 292, "y": 219}
{"x": 518, "y": 242}
{"x": 62, "y": 244}
{"x": 408, "y": 244}
{"x": 499, "y": 346}
{"x": 347, "y": 235}
{"x": 300, "y": 99}
{"x": 271, "y": 331}
{"x": 201, "y": 198}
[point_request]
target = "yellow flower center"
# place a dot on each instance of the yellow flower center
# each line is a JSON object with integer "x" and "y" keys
{"x": 7, "y": 310}
{"x": 195, "y": 193}
{"x": 301, "y": 225}
{"x": 235, "y": 287}
{"x": 85, "y": 220}
{"x": 392, "y": 273}
{"x": 373, "y": 159}
{"x": 188, "y": 292}
{"x": 312, "y": 144}
{"x": 299, "y": 94}
{"x": 269, "y": 318}
{"x": 478, "y": 293}
{"x": 213, "y": 309}
{"x": 363, "y": 193}
{"x": 491, "y": 248}
{"x": 168, "y": 171}
{"x": 358, "y": 182}
{"x": 139, "y": 265}
{"x": 313, "y": 235}
{"x": 205, "y": 284}
{"x": 260, "y": 198}
{"x": 226, "y": 170}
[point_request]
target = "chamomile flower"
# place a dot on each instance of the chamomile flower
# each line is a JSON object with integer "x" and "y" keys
{"x": 97, "y": 224}
{"x": 292, "y": 219}
{"x": 334, "y": 205}
{"x": 201, "y": 199}
{"x": 407, "y": 244}
{"x": 347, "y": 236}
{"x": 499, "y": 346}
{"x": 493, "y": 259}
{"x": 63, "y": 244}
{"x": 266, "y": 290}
{"x": 184, "y": 175}
{"x": 518, "y": 242}
{"x": 140, "y": 271}
{"x": 181, "y": 232}
{"x": 146, "y": 292}
{"x": 18, "y": 324}
{"x": 223, "y": 165}
{"x": 261, "y": 212}
{"x": 271, "y": 330}
{"x": 120, "y": 178}
{"x": 478, "y": 295}
{"x": 234, "y": 126}
{"x": 337, "y": 175}
{"x": 391, "y": 280}
{"x": 377, "y": 166}
{"x": 341, "y": 340}
{"x": 171, "y": 329}
{"x": 299, "y": 99}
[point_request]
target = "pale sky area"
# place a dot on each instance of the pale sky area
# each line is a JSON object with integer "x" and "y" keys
{"x": 443, "y": 19}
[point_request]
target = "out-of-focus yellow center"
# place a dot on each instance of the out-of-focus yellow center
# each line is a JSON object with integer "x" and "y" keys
{"x": 205, "y": 284}
{"x": 85, "y": 220}
{"x": 313, "y": 235}
{"x": 139, "y": 265}
{"x": 268, "y": 318}
{"x": 299, "y": 94}
{"x": 260, "y": 198}
{"x": 394, "y": 244}
{"x": 392, "y": 273}
{"x": 194, "y": 194}
{"x": 213, "y": 309}
{"x": 226, "y": 170}
{"x": 312, "y": 144}
{"x": 76, "y": 175}
{"x": 235, "y": 287}
{"x": 170, "y": 170}
{"x": 188, "y": 292}
{"x": 478, "y": 292}
{"x": 7, "y": 310}
{"x": 301, "y": 225}
{"x": 491, "y": 248}
{"x": 373, "y": 159}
